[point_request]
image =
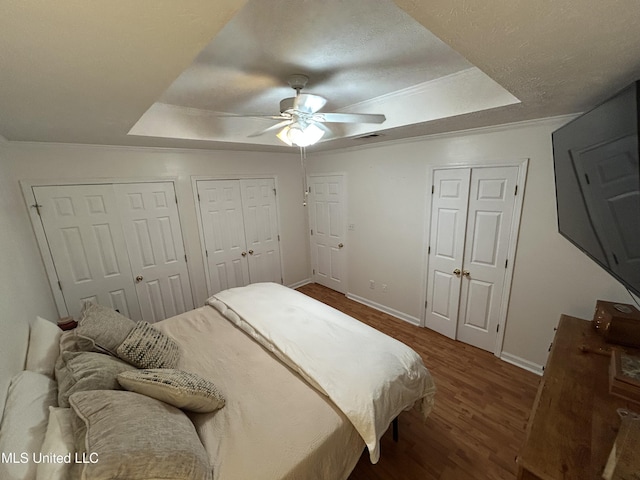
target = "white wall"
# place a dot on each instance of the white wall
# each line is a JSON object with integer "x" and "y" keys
{"x": 388, "y": 197}
{"x": 22, "y": 277}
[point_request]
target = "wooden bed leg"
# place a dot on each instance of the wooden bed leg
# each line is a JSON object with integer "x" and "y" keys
{"x": 395, "y": 429}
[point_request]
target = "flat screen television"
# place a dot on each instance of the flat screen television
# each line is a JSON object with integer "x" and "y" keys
{"x": 598, "y": 185}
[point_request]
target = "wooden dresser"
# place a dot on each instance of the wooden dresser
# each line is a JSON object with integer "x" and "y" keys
{"x": 573, "y": 423}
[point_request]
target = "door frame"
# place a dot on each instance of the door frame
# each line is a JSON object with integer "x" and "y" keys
{"x": 522, "y": 165}
{"x": 345, "y": 224}
{"x": 41, "y": 239}
{"x": 194, "y": 190}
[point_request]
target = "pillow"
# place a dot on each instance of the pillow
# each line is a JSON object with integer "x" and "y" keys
{"x": 24, "y": 423}
{"x": 135, "y": 437}
{"x": 58, "y": 441}
{"x": 44, "y": 348}
{"x": 80, "y": 371}
{"x": 148, "y": 347}
{"x": 184, "y": 390}
{"x": 103, "y": 327}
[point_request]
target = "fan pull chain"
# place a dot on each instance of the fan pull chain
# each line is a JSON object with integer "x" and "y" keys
{"x": 303, "y": 165}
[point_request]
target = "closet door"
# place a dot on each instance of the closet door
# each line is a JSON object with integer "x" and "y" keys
{"x": 149, "y": 216}
{"x": 223, "y": 231}
{"x": 261, "y": 229}
{"x": 472, "y": 214}
{"x": 446, "y": 245}
{"x": 490, "y": 217}
{"x": 87, "y": 245}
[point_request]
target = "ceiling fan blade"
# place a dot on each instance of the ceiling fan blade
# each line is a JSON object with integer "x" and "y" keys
{"x": 349, "y": 117}
{"x": 308, "y": 103}
{"x": 272, "y": 128}
{"x": 232, "y": 115}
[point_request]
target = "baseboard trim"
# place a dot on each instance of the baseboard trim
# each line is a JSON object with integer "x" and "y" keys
{"x": 384, "y": 309}
{"x": 522, "y": 363}
{"x": 300, "y": 283}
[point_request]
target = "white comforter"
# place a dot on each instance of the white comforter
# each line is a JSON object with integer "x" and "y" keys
{"x": 368, "y": 375}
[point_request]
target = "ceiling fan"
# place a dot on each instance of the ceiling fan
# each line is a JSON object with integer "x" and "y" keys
{"x": 302, "y": 123}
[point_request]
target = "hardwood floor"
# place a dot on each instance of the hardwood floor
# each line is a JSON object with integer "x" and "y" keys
{"x": 478, "y": 423}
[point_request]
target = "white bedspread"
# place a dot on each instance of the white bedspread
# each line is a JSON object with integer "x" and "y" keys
{"x": 368, "y": 375}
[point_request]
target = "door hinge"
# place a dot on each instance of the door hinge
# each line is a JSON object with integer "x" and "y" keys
{"x": 516, "y": 191}
{"x": 497, "y": 328}
{"x": 278, "y": 237}
{"x": 37, "y": 207}
{"x": 313, "y": 271}
{"x": 176, "y": 197}
{"x": 586, "y": 177}
{"x": 59, "y": 285}
{"x": 425, "y": 304}
{"x": 309, "y": 189}
{"x": 206, "y": 253}
{"x": 429, "y": 250}
{"x": 185, "y": 258}
{"x": 312, "y": 231}
{"x": 274, "y": 192}
{"x": 198, "y": 197}
{"x": 506, "y": 262}
{"x": 433, "y": 189}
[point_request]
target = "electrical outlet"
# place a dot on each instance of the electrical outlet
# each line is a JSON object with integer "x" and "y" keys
{"x": 352, "y": 226}
{"x": 372, "y": 284}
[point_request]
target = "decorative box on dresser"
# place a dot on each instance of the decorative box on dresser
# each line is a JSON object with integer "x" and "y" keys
{"x": 574, "y": 420}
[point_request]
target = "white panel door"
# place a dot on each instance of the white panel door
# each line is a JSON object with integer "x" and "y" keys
{"x": 261, "y": 229}
{"x": 222, "y": 222}
{"x": 489, "y": 220}
{"x": 84, "y": 234}
{"x": 149, "y": 215}
{"x": 446, "y": 246}
{"x": 327, "y": 224}
{"x": 611, "y": 197}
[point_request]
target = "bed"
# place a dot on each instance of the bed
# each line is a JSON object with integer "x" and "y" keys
{"x": 304, "y": 388}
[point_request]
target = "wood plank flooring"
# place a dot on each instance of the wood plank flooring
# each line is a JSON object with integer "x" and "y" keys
{"x": 478, "y": 423}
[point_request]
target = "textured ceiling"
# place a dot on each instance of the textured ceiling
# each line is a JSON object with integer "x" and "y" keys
{"x": 86, "y": 72}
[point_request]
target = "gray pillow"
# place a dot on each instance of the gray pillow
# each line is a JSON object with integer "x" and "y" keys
{"x": 184, "y": 390}
{"x": 103, "y": 327}
{"x": 135, "y": 437}
{"x": 148, "y": 347}
{"x": 80, "y": 371}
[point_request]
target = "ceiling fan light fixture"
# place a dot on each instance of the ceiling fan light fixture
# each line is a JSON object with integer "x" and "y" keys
{"x": 301, "y": 136}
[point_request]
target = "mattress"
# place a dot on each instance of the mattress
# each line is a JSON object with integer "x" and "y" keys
{"x": 274, "y": 425}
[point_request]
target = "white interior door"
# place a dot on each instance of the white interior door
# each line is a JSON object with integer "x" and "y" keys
{"x": 489, "y": 221}
{"x": 261, "y": 229}
{"x": 149, "y": 215}
{"x": 84, "y": 234}
{"x": 223, "y": 231}
{"x": 327, "y": 228}
{"x": 446, "y": 246}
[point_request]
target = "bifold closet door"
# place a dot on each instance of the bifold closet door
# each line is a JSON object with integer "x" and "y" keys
{"x": 149, "y": 216}
{"x": 119, "y": 245}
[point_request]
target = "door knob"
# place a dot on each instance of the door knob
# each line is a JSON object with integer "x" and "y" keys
{"x": 250, "y": 252}
{"x": 466, "y": 273}
{"x": 244, "y": 254}
{"x": 456, "y": 272}
{"x": 139, "y": 278}
{"x": 340, "y": 245}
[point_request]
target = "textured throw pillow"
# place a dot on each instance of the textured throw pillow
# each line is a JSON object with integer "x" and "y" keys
{"x": 80, "y": 371}
{"x": 184, "y": 390}
{"x": 135, "y": 437}
{"x": 44, "y": 346}
{"x": 148, "y": 347}
{"x": 103, "y": 327}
